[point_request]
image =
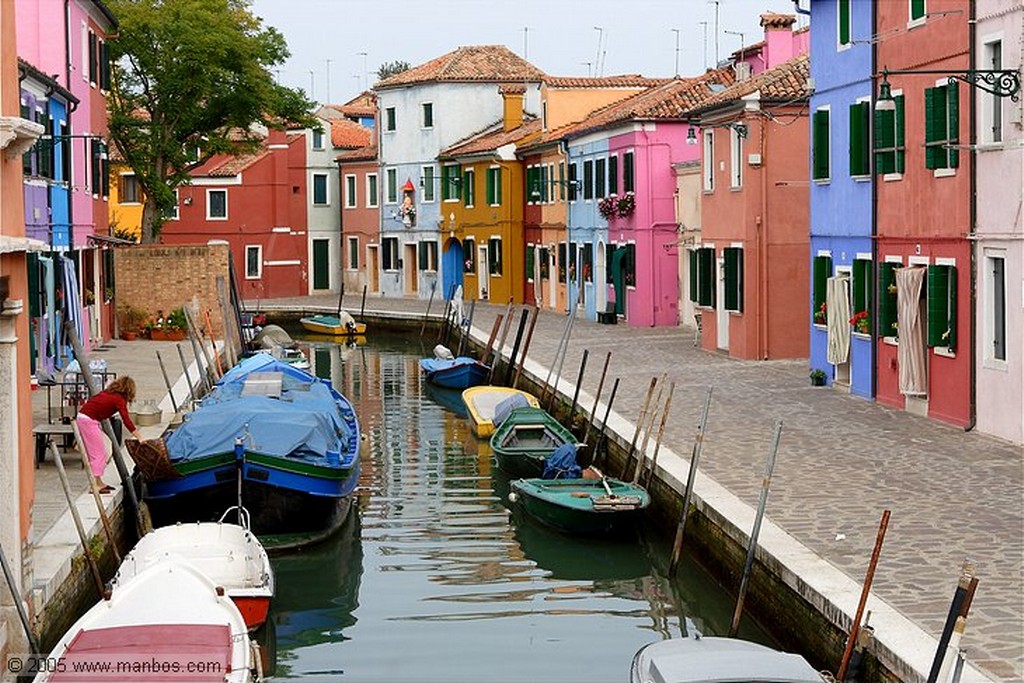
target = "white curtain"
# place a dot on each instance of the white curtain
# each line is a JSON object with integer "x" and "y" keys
{"x": 837, "y": 310}
{"x": 910, "y": 330}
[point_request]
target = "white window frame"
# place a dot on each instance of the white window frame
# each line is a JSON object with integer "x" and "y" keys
{"x": 989, "y": 359}
{"x": 469, "y": 191}
{"x": 173, "y": 214}
{"x": 327, "y": 189}
{"x": 122, "y": 186}
{"x": 353, "y": 250}
{"x": 429, "y": 176}
{"x": 735, "y": 160}
{"x": 423, "y": 115}
{"x": 209, "y": 192}
{"x": 317, "y": 141}
{"x": 709, "y": 160}
{"x": 351, "y": 200}
{"x": 391, "y": 186}
{"x": 496, "y": 172}
{"x": 390, "y": 120}
{"x": 991, "y": 104}
{"x": 259, "y": 261}
{"x": 911, "y": 23}
{"x": 372, "y": 191}
{"x": 841, "y": 46}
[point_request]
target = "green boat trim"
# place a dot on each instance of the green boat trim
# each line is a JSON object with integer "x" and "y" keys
{"x": 283, "y": 464}
{"x": 588, "y": 495}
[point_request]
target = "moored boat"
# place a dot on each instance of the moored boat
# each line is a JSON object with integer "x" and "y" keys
{"x": 524, "y": 440}
{"x": 342, "y": 325}
{"x": 582, "y": 506}
{"x": 171, "y": 622}
{"x": 229, "y": 554}
{"x": 455, "y": 373}
{"x": 288, "y": 441}
{"x": 712, "y": 660}
{"x": 481, "y": 402}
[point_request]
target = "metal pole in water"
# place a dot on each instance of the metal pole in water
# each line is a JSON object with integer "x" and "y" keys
{"x": 597, "y": 397}
{"x": 18, "y": 603}
{"x": 579, "y": 383}
{"x": 526, "y": 345}
{"x": 698, "y": 444}
{"x": 561, "y": 361}
{"x": 430, "y": 302}
{"x": 362, "y": 306}
{"x": 604, "y": 424}
{"x": 558, "y": 351}
{"x": 490, "y": 340}
{"x": 184, "y": 368}
{"x": 641, "y": 456}
{"x": 962, "y": 598}
{"x": 167, "y": 382}
{"x": 639, "y": 424}
{"x": 66, "y": 485}
{"x": 766, "y": 483}
{"x": 465, "y": 327}
{"x": 865, "y": 590}
{"x": 515, "y": 346}
{"x": 661, "y": 432}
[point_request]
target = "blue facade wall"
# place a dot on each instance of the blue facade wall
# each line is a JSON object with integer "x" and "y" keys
{"x": 586, "y": 226}
{"x": 841, "y": 207}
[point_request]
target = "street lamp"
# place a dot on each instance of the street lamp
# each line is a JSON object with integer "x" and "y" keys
{"x": 999, "y": 82}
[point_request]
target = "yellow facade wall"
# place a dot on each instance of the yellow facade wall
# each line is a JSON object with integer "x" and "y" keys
{"x": 125, "y": 218}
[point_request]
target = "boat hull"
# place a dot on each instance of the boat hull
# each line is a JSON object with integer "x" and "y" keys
{"x": 582, "y": 506}
{"x": 462, "y": 373}
{"x": 482, "y": 400}
{"x": 525, "y": 439}
{"x": 331, "y": 326}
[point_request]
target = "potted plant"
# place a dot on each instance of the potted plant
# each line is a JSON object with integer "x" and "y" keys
{"x": 130, "y": 320}
{"x": 821, "y": 315}
{"x": 626, "y": 205}
{"x": 818, "y": 377}
{"x": 171, "y": 328}
{"x": 861, "y": 323}
{"x": 608, "y": 206}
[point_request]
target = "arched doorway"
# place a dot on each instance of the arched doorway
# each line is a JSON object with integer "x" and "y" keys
{"x": 451, "y": 268}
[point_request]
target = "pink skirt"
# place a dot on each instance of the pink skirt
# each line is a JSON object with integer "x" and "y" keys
{"x": 95, "y": 443}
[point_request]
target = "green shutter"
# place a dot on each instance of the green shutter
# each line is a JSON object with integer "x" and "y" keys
{"x": 942, "y": 306}
{"x": 934, "y": 127}
{"x": 529, "y": 262}
{"x": 953, "y": 128}
{"x": 900, "y": 136}
{"x": 820, "y": 158}
{"x": 733, "y": 262}
{"x": 885, "y": 139}
{"x": 822, "y": 272}
{"x": 705, "y": 261}
{"x": 951, "y": 311}
{"x": 423, "y": 255}
{"x": 497, "y": 186}
{"x": 859, "y": 138}
{"x": 887, "y": 299}
{"x": 693, "y": 275}
{"x": 916, "y": 9}
{"x": 490, "y": 186}
{"x": 844, "y": 22}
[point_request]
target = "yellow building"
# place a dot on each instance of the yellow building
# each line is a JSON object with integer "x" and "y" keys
{"x": 126, "y": 202}
{"x": 482, "y": 195}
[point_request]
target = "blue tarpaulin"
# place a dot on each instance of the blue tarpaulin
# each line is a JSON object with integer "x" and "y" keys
{"x": 562, "y": 464}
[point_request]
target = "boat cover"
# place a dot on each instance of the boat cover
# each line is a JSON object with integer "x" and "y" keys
{"x": 562, "y": 464}
{"x": 506, "y": 406}
{"x": 308, "y": 420}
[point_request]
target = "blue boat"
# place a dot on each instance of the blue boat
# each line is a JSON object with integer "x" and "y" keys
{"x": 460, "y": 373}
{"x": 282, "y": 440}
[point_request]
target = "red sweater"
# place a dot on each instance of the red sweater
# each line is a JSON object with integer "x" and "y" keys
{"x": 103, "y": 405}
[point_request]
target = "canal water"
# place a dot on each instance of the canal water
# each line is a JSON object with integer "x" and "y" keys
{"x": 435, "y": 578}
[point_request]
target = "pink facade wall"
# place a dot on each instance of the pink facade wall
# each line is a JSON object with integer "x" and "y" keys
{"x": 653, "y": 224}
{"x": 360, "y": 222}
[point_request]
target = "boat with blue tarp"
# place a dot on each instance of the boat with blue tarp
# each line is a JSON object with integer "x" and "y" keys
{"x": 270, "y": 437}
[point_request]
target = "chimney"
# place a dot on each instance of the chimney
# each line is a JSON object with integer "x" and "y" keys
{"x": 779, "y": 43}
{"x": 512, "y": 94}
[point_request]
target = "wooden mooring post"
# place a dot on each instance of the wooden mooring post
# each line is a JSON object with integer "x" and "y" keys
{"x": 698, "y": 446}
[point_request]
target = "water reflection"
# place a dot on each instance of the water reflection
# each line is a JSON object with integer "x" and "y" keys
{"x": 438, "y": 581}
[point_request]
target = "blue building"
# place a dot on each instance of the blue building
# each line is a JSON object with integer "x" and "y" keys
{"x": 842, "y": 240}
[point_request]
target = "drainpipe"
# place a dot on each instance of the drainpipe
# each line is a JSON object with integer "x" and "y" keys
{"x": 875, "y": 343}
{"x": 564, "y": 145}
{"x": 762, "y": 234}
{"x": 800, "y": 10}
{"x": 972, "y": 417}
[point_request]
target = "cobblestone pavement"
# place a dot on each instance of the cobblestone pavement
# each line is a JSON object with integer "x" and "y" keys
{"x": 842, "y": 460}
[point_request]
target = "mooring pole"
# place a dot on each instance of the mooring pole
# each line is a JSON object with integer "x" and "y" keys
{"x": 851, "y": 641}
{"x": 579, "y": 383}
{"x": 960, "y": 596}
{"x": 362, "y": 307}
{"x": 184, "y": 369}
{"x": 490, "y": 340}
{"x": 661, "y": 431}
{"x": 465, "y": 327}
{"x": 766, "y": 483}
{"x": 66, "y": 485}
{"x": 167, "y": 381}
{"x": 698, "y": 445}
{"x": 604, "y": 423}
{"x": 526, "y": 345}
{"x": 18, "y": 602}
{"x": 641, "y": 454}
{"x": 597, "y": 397}
{"x": 430, "y": 302}
{"x": 515, "y": 347}
{"x": 554, "y": 361}
{"x": 639, "y": 423}
{"x": 561, "y": 361}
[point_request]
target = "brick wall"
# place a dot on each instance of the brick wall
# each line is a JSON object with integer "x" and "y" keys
{"x": 162, "y": 278}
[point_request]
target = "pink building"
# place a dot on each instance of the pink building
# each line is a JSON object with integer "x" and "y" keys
{"x": 360, "y": 218}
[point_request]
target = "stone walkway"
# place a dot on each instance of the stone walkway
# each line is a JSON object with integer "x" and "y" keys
{"x": 842, "y": 461}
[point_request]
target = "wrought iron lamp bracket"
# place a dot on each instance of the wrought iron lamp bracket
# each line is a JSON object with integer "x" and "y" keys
{"x": 999, "y": 82}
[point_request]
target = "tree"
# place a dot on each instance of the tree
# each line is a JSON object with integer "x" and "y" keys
{"x": 191, "y": 79}
{"x": 391, "y": 68}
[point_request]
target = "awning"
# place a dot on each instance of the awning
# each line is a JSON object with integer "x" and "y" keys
{"x": 12, "y": 245}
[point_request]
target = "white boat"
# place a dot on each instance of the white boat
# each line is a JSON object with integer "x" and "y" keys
{"x": 169, "y": 623}
{"x": 481, "y": 402}
{"x": 715, "y": 660}
{"x": 229, "y": 554}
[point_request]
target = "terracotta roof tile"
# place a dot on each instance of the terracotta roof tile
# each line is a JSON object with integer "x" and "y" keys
{"x": 349, "y": 134}
{"x": 776, "y": 20}
{"x": 227, "y": 166}
{"x": 671, "y": 101}
{"x": 787, "y": 81}
{"x": 473, "y": 63}
{"x": 368, "y": 153}
{"x": 492, "y": 138}
{"x": 623, "y": 81}
{"x": 363, "y": 104}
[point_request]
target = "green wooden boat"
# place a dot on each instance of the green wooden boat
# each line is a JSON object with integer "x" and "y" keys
{"x": 525, "y": 439}
{"x": 582, "y": 506}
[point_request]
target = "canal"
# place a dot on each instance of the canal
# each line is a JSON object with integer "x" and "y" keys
{"x": 436, "y": 579}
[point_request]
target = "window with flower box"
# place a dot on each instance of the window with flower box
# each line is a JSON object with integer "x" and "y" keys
{"x": 629, "y": 265}
{"x": 821, "y": 272}
{"x": 861, "y": 286}
{"x": 733, "y": 271}
{"x": 887, "y": 298}
{"x": 469, "y": 255}
{"x": 942, "y": 306}
{"x": 572, "y": 261}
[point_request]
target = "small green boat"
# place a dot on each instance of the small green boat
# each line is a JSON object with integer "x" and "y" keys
{"x": 582, "y": 506}
{"x": 525, "y": 438}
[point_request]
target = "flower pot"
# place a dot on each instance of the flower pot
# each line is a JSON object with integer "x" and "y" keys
{"x": 166, "y": 335}
{"x": 817, "y": 381}
{"x": 128, "y": 336}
